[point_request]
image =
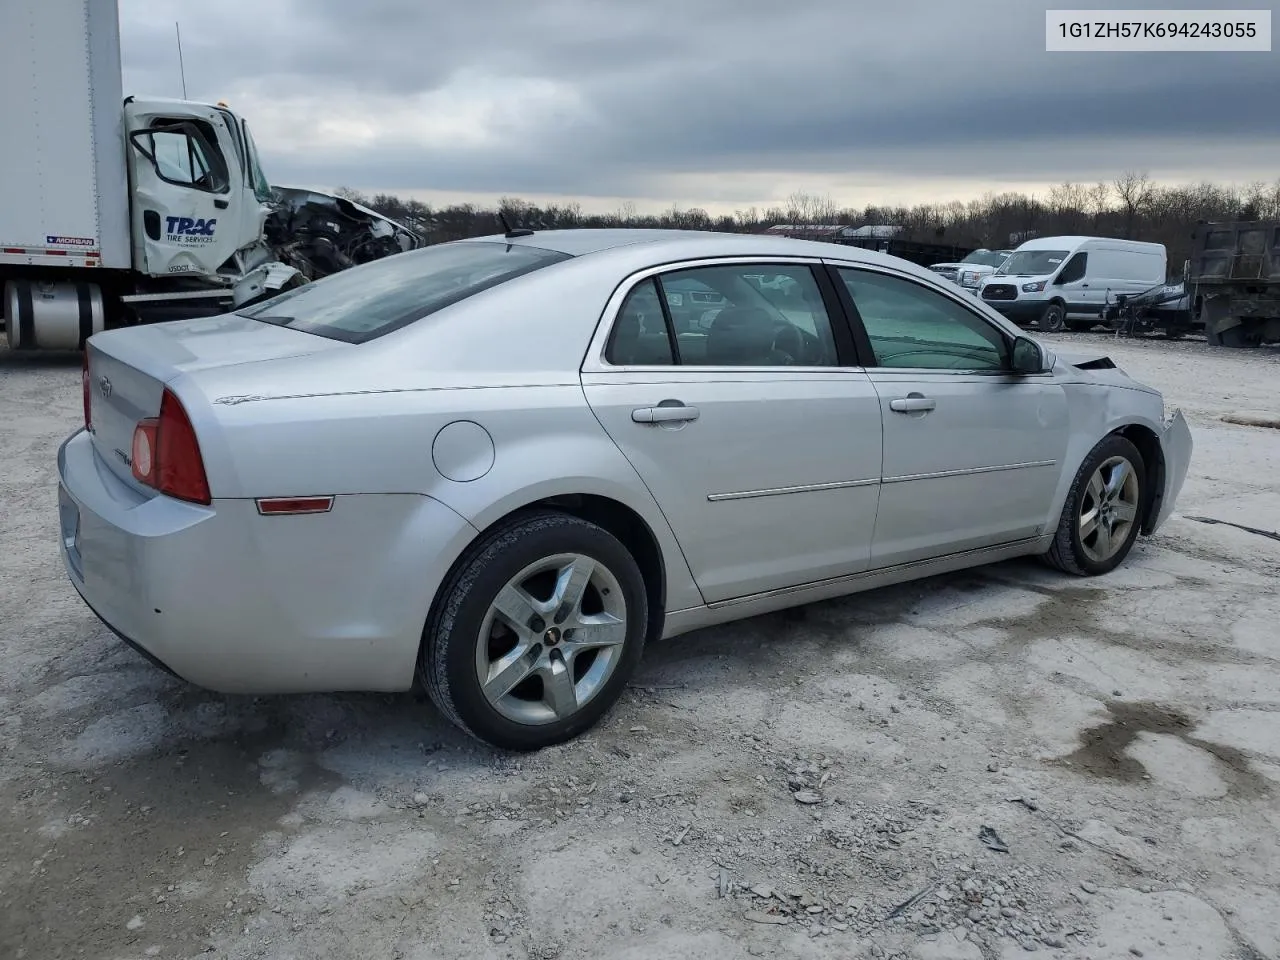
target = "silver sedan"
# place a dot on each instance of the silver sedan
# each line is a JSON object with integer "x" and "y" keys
{"x": 501, "y": 466}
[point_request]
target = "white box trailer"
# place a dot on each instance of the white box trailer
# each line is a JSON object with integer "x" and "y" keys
{"x": 62, "y": 200}
{"x": 116, "y": 211}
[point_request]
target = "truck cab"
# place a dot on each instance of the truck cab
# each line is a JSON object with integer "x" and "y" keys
{"x": 198, "y": 196}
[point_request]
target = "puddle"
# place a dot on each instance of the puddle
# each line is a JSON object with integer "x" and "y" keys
{"x": 1104, "y": 749}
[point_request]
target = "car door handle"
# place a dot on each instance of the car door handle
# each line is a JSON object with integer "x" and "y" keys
{"x": 916, "y": 404}
{"x": 673, "y": 413}
{"x": 222, "y": 204}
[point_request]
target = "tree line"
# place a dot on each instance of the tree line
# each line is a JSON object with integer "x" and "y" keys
{"x": 1131, "y": 206}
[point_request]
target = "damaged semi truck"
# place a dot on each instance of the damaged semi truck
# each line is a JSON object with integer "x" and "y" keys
{"x": 117, "y": 210}
{"x": 1233, "y": 282}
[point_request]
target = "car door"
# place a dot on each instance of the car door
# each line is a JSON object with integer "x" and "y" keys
{"x": 757, "y": 434}
{"x": 972, "y": 452}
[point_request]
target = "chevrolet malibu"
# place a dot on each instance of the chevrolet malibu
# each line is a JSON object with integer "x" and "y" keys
{"x": 499, "y": 468}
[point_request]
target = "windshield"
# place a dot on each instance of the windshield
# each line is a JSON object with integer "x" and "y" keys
{"x": 1033, "y": 263}
{"x": 261, "y": 188}
{"x": 370, "y": 300}
{"x": 986, "y": 258}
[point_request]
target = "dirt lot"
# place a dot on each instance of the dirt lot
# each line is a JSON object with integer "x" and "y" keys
{"x": 814, "y": 786}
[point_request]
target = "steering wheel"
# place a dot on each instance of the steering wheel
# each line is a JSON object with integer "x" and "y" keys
{"x": 789, "y": 341}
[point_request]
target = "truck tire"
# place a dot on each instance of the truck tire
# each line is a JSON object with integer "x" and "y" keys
{"x": 1212, "y": 312}
{"x": 1232, "y": 338}
{"x": 1054, "y": 317}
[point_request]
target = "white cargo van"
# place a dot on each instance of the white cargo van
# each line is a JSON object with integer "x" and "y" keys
{"x": 1065, "y": 282}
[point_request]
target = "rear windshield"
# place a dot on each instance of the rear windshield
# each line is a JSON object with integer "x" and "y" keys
{"x": 368, "y": 301}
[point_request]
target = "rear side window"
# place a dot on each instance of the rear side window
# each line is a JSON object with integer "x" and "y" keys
{"x": 371, "y": 300}
{"x": 640, "y": 336}
{"x": 741, "y": 315}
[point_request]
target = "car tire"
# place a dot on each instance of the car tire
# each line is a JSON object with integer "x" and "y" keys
{"x": 1054, "y": 317}
{"x": 466, "y": 633}
{"x": 1078, "y": 546}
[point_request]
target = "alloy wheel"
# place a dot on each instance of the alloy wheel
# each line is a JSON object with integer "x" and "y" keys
{"x": 551, "y": 639}
{"x": 1108, "y": 508}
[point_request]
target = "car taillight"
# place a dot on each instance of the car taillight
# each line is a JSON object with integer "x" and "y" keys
{"x": 166, "y": 455}
{"x": 84, "y": 383}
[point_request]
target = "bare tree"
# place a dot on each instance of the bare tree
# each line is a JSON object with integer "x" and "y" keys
{"x": 1068, "y": 202}
{"x": 1130, "y": 205}
{"x": 1099, "y": 203}
{"x": 810, "y": 209}
{"x": 1135, "y": 192}
{"x": 626, "y": 212}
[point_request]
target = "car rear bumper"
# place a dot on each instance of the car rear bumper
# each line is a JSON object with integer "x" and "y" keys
{"x": 1177, "y": 445}
{"x": 241, "y": 603}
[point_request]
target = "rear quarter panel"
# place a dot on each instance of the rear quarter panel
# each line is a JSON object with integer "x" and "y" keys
{"x": 545, "y": 442}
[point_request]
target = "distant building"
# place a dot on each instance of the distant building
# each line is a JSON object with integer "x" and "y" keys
{"x": 878, "y": 231}
{"x": 831, "y": 231}
{"x": 806, "y": 231}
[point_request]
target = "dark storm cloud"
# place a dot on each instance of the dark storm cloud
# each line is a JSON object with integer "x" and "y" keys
{"x": 712, "y": 86}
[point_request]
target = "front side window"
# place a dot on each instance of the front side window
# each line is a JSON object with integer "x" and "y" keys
{"x": 183, "y": 156}
{"x": 913, "y": 327}
{"x": 749, "y": 315}
{"x": 372, "y": 300}
{"x": 1074, "y": 270}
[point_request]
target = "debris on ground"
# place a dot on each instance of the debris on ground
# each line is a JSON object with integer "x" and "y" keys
{"x": 990, "y": 839}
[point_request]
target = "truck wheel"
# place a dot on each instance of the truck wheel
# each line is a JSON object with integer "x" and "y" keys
{"x": 535, "y": 632}
{"x": 1103, "y": 512}
{"x": 1232, "y": 337}
{"x": 1054, "y": 317}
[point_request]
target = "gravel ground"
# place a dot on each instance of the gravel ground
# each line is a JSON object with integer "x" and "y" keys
{"x": 971, "y": 767}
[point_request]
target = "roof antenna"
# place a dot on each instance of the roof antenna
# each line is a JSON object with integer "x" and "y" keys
{"x": 182, "y": 69}
{"x": 511, "y": 231}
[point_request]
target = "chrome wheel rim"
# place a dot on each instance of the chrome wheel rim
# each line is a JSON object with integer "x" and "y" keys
{"x": 551, "y": 639}
{"x": 1108, "y": 509}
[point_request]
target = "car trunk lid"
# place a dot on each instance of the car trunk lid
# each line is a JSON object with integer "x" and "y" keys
{"x": 129, "y": 368}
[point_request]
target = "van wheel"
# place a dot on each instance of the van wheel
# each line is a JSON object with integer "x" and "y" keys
{"x": 1054, "y": 317}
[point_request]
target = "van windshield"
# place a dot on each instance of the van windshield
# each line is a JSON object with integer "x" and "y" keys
{"x": 1033, "y": 263}
{"x": 372, "y": 299}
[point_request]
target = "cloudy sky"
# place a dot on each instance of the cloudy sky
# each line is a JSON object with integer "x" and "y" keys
{"x": 722, "y": 104}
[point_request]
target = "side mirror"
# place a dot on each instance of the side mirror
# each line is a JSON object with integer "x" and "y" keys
{"x": 1026, "y": 357}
